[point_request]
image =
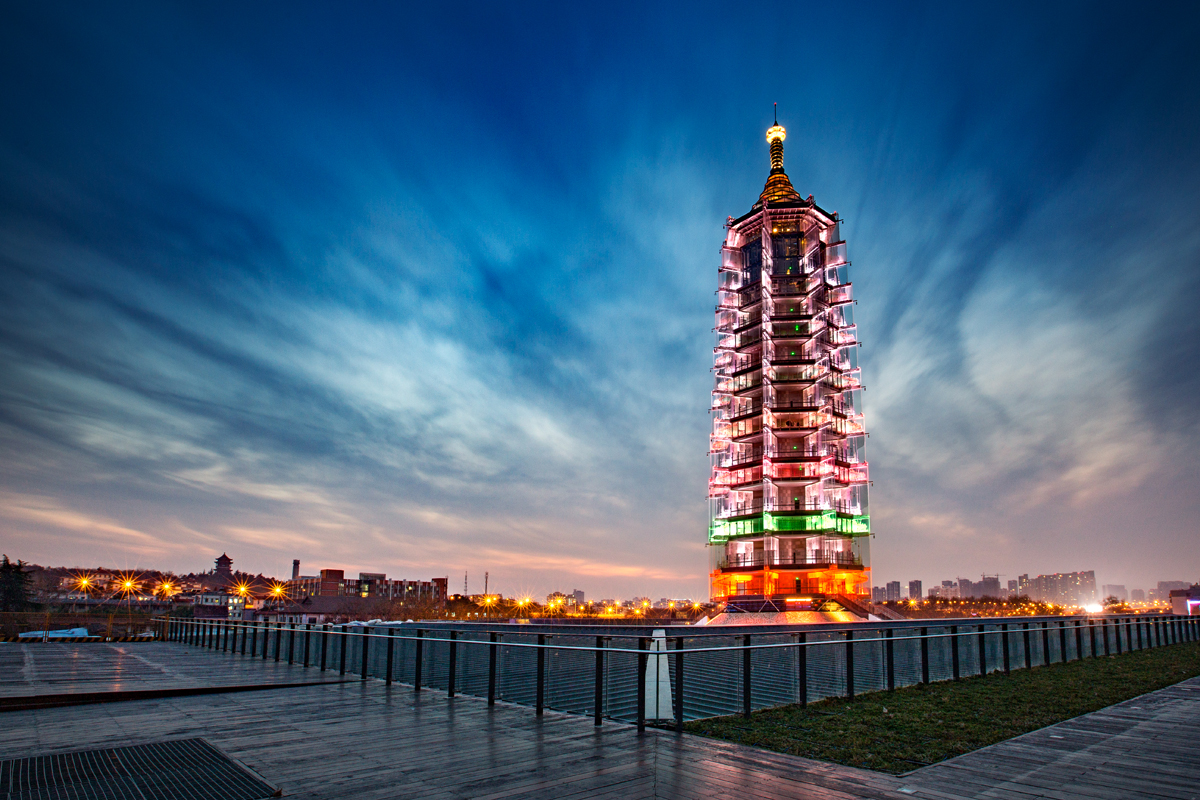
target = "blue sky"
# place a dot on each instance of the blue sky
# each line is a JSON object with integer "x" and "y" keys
{"x": 429, "y": 290}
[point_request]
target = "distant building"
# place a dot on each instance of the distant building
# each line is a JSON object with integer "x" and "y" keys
{"x": 1186, "y": 601}
{"x": 1163, "y": 592}
{"x": 224, "y": 565}
{"x": 1116, "y": 590}
{"x": 878, "y": 594}
{"x": 375, "y": 585}
{"x": 1012, "y": 589}
{"x": 578, "y": 597}
{"x": 893, "y": 591}
{"x": 1137, "y": 596}
{"x": 947, "y": 591}
{"x": 318, "y": 610}
{"x": 914, "y": 590}
{"x": 295, "y": 569}
{"x": 1061, "y": 588}
{"x": 220, "y": 605}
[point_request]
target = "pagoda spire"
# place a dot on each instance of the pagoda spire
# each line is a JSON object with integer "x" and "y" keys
{"x": 778, "y": 188}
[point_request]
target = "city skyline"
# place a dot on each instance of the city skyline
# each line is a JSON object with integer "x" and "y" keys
{"x": 392, "y": 291}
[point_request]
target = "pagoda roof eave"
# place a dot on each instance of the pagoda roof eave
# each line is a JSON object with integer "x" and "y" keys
{"x": 801, "y": 205}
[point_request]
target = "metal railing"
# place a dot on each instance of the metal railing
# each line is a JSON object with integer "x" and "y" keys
{"x": 675, "y": 674}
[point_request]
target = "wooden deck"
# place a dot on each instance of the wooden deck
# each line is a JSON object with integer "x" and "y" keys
{"x": 366, "y": 740}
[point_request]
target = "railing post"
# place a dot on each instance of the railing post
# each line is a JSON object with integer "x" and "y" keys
{"x": 925, "y": 655}
{"x": 1079, "y": 640}
{"x": 541, "y": 673}
{"x": 802, "y": 668}
{"x": 291, "y": 643}
{"x": 1092, "y": 636}
{"x": 1004, "y": 634}
{"x": 982, "y": 650}
{"x": 366, "y": 641}
{"x": 278, "y": 640}
{"x": 954, "y": 650}
{"x": 641, "y": 685}
{"x": 850, "y": 664}
{"x": 1046, "y": 643}
{"x": 324, "y": 643}
{"x": 1104, "y": 633}
{"x": 453, "y": 666}
{"x": 391, "y": 641}
{"x": 1062, "y": 641}
{"x": 598, "y": 687}
{"x": 343, "y": 641}
{"x": 679, "y": 685}
{"x": 307, "y": 642}
{"x": 493, "y": 653}
{"x": 1028, "y": 655}
{"x": 746, "y": 676}
{"x": 1137, "y": 627}
{"x": 1119, "y": 628}
{"x": 418, "y": 659}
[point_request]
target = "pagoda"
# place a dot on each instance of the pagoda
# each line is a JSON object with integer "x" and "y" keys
{"x": 789, "y": 526}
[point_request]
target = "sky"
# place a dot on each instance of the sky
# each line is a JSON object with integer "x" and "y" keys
{"x": 428, "y": 289}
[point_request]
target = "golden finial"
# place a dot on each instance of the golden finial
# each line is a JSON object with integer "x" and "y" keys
{"x": 775, "y": 136}
{"x": 779, "y": 188}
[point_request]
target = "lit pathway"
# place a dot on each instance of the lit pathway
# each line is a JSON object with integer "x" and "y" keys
{"x": 366, "y": 740}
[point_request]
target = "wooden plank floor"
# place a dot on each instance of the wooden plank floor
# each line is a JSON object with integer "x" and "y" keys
{"x": 28, "y": 669}
{"x": 367, "y": 740}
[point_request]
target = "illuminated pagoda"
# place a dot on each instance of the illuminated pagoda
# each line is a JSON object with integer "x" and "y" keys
{"x": 789, "y": 526}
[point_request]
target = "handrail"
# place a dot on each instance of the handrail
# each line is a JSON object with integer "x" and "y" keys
{"x": 882, "y": 640}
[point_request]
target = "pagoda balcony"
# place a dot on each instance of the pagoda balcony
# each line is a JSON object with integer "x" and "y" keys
{"x": 732, "y": 259}
{"x": 839, "y": 295}
{"x": 747, "y": 339}
{"x": 741, "y": 485}
{"x": 843, "y": 410}
{"x": 851, "y": 475}
{"x": 787, "y": 332}
{"x": 799, "y": 359}
{"x": 803, "y": 472}
{"x": 754, "y": 363}
{"x": 852, "y": 426}
{"x": 742, "y": 460}
{"x": 769, "y": 560}
{"x": 794, "y": 286}
{"x": 835, "y": 254}
{"x": 799, "y": 454}
{"x": 746, "y": 436}
{"x": 799, "y": 315}
{"x": 813, "y": 423}
{"x": 746, "y": 410}
{"x": 748, "y": 389}
{"x": 811, "y": 375}
{"x": 803, "y": 406}
{"x": 740, "y": 511}
{"x": 750, "y": 295}
{"x": 755, "y": 319}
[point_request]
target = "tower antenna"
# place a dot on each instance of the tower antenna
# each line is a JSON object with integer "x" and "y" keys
{"x": 777, "y": 113}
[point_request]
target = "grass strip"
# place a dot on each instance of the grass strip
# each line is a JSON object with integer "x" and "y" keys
{"x": 896, "y": 732}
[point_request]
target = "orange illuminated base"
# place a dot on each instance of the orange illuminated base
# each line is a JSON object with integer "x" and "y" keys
{"x": 784, "y": 584}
